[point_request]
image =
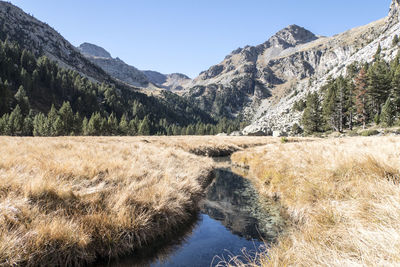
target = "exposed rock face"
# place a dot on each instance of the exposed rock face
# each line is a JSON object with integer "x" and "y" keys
{"x": 93, "y": 50}
{"x": 394, "y": 13}
{"x": 173, "y": 82}
{"x": 41, "y": 39}
{"x": 263, "y": 82}
{"x": 115, "y": 67}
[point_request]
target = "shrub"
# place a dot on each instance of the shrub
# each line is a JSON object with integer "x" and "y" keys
{"x": 369, "y": 133}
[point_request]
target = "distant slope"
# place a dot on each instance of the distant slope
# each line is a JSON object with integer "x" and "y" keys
{"x": 172, "y": 82}
{"x": 41, "y": 39}
{"x": 66, "y": 75}
{"x": 115, "y": 67}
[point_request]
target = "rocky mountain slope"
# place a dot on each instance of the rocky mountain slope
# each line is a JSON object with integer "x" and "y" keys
{"x": 50, "y": 81}
{"x": 115, "y": 67}
{"x": 172, "y": 82}
{"x": 261, "y": 83}
{"x": 118, "y": 69}
{"x": 41, "y": 39}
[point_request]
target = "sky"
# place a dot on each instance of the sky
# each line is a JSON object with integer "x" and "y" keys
{"x": 189, "y": 36}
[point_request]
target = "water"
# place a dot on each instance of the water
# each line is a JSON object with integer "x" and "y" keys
{"x": 233, "y": 220}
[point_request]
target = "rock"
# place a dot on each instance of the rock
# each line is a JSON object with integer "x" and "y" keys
{"x": 93, "y": 50}
{"x": 261, "y": 83}
{"x": 115, "y": 67}
{"x": 172, "y": 82}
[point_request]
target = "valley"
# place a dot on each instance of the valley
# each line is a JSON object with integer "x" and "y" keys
{"x": 285, "y": 153}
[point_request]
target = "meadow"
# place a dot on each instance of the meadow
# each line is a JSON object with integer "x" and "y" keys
{"x": 342, "y": 197}
{"x": 73, "y": 200}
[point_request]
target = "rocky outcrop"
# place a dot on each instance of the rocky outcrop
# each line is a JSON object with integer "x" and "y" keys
{"x": 261, "y": 83}
{"x": 115, "y": 67}
{"x": 172, "y": 82}
{"x": 93, "y": 50}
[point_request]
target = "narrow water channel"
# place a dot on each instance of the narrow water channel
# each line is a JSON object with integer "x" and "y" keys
{"x": 233, "y": 219}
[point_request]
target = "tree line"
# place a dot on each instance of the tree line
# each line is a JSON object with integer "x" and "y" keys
{"x": 37, "y": 97}
{"x": 369, "y": 93}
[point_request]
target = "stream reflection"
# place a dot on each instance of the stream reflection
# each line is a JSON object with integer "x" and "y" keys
{"x": 233, "y": 217}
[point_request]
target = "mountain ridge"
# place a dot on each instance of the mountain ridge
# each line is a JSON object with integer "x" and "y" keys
{"x": 261, "y": 83}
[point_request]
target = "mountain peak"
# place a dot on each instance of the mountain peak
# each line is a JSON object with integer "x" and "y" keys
{"x": 292, "y": 35}
{"x": 394, "y": 13}
{"x": 94, "y": 50}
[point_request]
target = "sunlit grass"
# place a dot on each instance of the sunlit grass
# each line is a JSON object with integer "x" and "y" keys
{"x": 343, "y": 197}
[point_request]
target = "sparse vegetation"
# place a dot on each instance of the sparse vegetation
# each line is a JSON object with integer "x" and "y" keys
{"x": 342, "y": 195}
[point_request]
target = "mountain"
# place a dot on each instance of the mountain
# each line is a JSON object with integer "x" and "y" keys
{"x": 39, "y": 69}
{"x": 115, "y": 67}
{"x": 41, "y": 39}
{"x": 261, "y": 83}
{"x": 119, "y": 70}
{"x": 172, "y": 82}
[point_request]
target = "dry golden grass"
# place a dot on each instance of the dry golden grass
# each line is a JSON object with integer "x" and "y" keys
{"x": 343, "y": 197}
{"x": 67, "y": 201}
{"x": 71, "y": 200}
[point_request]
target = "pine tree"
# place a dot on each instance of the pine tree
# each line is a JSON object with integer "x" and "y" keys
{"x": 311, "y": 119}
{"x": 145, "y": 127}
{"x": 388, "y": 113}
{"x": 85, "y": 126}
{"x": 16, "y": 121}
{"x": 40, "y": 125}
{"x": 361, "y": 83}
{"x": 112, "y": 125}
{"x": 22, "y": 100}
{"x": 66, "y": 119}
{"x": 95, "y": 124}
{"x": 52, "y": 124}
{"x": 27, "y": 129}
{"x": 379, "y": 85}
{"x": 395, "y": 40}
{"x": 378, "y": 52}
{"x": 123, "y": 125}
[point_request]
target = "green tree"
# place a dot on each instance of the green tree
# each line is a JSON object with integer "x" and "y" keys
{"x": 40, "y": 125}
{"x": 112, "y": 125}
{"x": 16, "y": 121}
{"x": 124, "y": 125}
{"x": 66, "y": 119}
{"x": 311, "y": 119}
{"x": 145, "y": 126}
{"x": 388, "y": 113}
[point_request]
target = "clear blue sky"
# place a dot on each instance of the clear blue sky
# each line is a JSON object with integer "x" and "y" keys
{"x": 189, "y": 36}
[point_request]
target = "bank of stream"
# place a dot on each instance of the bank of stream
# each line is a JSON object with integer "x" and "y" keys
{"x": 233, "y": 220}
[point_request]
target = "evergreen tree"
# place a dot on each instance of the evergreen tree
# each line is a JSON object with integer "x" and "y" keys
{"x": 388, "y": 113}
{"x": 66, "y": 118}
{"x": 145, "y": 127}
{"x": 85, "y": 126}
{"x": 395, "y": 40}
{"x": 27, "y": 129}
{"x": 361, "y": 83}
{"x": 311, "y": 119}
{"x": 40, "y": 125}
{"x": 112, "y": 125}
{"x": 124, "y": 125}
{"x": 95, "y": 125}
{"x": 379, "y": 85}
{"x": 16, "y": 121}
{"x": 22, "y": 100}
{"x": 52, "y": 123}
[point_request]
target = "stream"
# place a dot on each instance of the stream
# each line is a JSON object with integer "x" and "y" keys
{"x": 233, "y": 221}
